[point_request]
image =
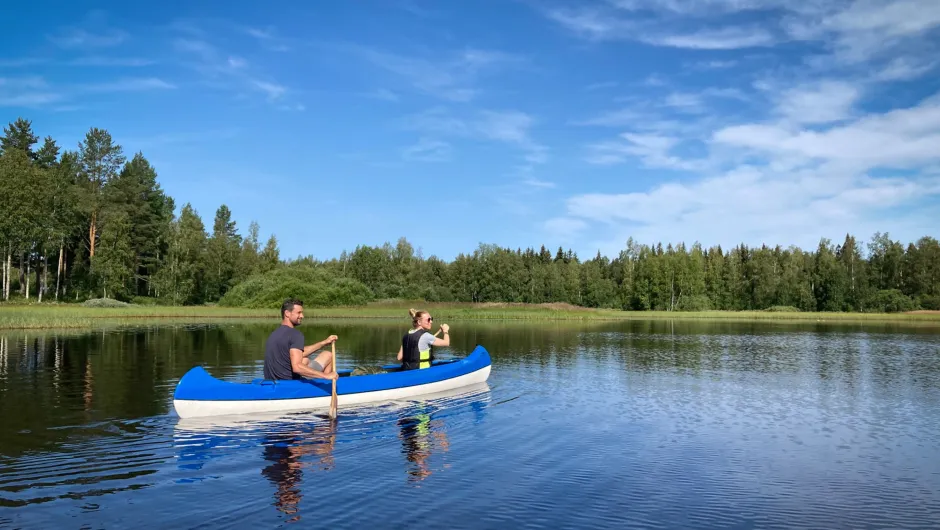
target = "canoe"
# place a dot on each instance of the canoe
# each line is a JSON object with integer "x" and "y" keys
{"x": 199, "y": 394}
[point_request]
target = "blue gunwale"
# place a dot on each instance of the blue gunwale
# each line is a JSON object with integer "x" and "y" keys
{"x": 198, "y": 385}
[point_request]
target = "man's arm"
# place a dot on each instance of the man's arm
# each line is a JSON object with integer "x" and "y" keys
{"x": 316, "y": 347}
{"x": 297, "y": 365}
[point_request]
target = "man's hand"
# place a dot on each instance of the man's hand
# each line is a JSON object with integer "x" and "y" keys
{"x": 331, "y": 339}
{"x": 331, "y": 376}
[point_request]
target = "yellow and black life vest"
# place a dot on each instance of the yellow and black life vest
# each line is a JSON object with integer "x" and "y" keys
{"x": 411, "y": 358}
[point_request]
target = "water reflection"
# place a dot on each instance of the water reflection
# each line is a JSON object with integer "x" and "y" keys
{"x": 420, "y": 435}
{"x": 669, "y": 423}
{"x": 289, "y": 454}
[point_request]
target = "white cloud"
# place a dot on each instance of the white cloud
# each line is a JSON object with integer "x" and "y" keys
{"x": 901, "y": 138}
{"x": 904, "y": 69}
{"x": 652, "y": 149}
{"x": 821, "y": 102}
{"x": 813, "y": 182}
{"x": 728, "y": 38}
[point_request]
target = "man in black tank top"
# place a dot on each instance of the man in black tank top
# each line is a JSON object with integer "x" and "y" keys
{"x": 286, "y": 357}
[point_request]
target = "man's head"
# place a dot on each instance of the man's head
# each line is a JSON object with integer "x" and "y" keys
{"x": 292, "y": 310}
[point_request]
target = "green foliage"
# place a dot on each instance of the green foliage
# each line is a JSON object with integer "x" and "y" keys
{"x": 890, "y": 301}
{"x": 104, "y": 303}
{"x": 315, "y": 287}
{"x": 783, "y": 309}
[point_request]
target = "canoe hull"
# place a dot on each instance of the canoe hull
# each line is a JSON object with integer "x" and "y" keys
{"x": 199, "y": 394}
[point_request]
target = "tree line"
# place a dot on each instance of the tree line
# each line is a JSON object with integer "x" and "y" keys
{"x": 885, "y": 276}
{"x": 90, "y": 223}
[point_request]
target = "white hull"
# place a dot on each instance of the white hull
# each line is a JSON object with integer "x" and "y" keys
{"x": 199, "y": 408}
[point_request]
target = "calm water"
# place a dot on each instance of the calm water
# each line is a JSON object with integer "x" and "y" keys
{"x": 634, "y": 424}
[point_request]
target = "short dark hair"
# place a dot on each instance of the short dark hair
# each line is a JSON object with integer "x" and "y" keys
{"x": 289, "y": 304}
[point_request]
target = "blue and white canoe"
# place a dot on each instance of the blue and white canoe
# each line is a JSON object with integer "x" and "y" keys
{"x": 198, "y": 394}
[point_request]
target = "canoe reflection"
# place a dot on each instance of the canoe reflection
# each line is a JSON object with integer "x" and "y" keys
{"x": 289, "y": 455}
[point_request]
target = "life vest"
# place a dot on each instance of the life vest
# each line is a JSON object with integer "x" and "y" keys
{"x": 411, "y": 358}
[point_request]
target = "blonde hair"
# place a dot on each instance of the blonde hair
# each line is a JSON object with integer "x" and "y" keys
{"x": 416, "y": 316}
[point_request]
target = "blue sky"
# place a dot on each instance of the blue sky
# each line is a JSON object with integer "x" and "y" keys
{"x": 512, "y": 122}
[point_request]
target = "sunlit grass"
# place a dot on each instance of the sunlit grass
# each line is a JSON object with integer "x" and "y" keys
{"x": 72, "y": 316}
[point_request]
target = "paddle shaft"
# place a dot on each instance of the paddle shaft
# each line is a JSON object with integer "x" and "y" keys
{"x": 333, "y": 398}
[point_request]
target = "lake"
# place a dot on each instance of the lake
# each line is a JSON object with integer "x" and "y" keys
{"x": 635, "y": 424}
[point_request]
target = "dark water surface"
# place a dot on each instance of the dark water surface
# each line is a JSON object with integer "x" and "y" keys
{"x": 631, "y": 424}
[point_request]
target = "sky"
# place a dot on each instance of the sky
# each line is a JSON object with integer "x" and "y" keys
{"x": 518, "y": 123}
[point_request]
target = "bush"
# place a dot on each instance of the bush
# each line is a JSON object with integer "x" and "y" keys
{"x": 930, "y": 302}
{"x": 783, "y": 309}
{"x": 144, "y": 300}
{"x": 890, "y": 301}
{"x": 315, "y": 287}
{"x": 104, "y": 303}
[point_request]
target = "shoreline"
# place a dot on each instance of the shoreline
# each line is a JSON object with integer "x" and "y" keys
{"x": 74, "y": 316}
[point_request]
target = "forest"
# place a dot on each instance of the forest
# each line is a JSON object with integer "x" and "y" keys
{"x": 94, "y": 223}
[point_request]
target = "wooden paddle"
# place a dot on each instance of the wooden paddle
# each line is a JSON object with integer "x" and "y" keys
{"x": 333, "y": 399}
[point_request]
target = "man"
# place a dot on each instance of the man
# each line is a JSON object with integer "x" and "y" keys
{"x": 286, "y": 357}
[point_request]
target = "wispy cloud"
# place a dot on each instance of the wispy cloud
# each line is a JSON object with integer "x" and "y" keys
{"x": 32, "y": 99}
{"x": 428, "y": 150}
{"x": 21, "y": 62}
{"x": 599, "y": 22}
{"x": 511, "y": 127}
{"x": 80, "y": 38}
{"x": 130, "y": 85}
{"x": 29, "y": 91}
{"x": 653, "y": 150}
{"x": 230, "y": 71}
{"x": 268, "y": 38}
{"x": 383, "y": 94}
{"x": 538, "y": 183}
{"x": 452, "y": 78}
{"x": 601, "y": 85}
{"x": 184, "y": 137}
{"x": 273, "y": 90}
{"x": 120, "y": 62}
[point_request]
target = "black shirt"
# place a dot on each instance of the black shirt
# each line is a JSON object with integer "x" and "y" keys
{"x": 277, "y": 352}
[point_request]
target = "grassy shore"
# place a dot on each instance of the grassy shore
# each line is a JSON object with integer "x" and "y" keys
{"x": 74, "y": 316}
